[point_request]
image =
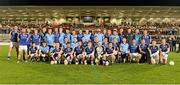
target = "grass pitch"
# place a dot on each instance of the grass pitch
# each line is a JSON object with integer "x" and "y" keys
{"x": 43, "y": 73}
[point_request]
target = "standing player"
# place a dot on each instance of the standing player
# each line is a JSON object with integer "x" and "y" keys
{"x": 89, "y": 53}
{"x": 154, "y": 53}
{"x": 121, "y": 35}
{"x": 137, "y": 36}
{"x": 146, "y": 37}
{"x": 22, "y": 45}
{"x": 99, "y": 35}
{"x": 50, "y": 38}
{"x": 164, "y": 50}
{"x": 62, "y": 36}
{"x": 79, "y": 53}
{"x": 68, "y": 35}
{"x": 80, "y": 36}
{"x": 129, "y": 36}
{"x": 43, "y": 35}
{"x": 134, "y": 55}
{"x": 56, "y": 35}
{"x": 114, "y": 35}
{"x": 13, "y": 41}
{"x": 36, "y": 38}
{"x": 29, "y": 40}
{"x": 108, "y": 35}
{"x": 87, "y": 36}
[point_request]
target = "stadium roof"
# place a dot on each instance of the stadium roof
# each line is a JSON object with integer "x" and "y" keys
{"x": 32, "y": 12}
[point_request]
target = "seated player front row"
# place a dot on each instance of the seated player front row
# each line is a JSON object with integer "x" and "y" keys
{"x": 98, "y": 54}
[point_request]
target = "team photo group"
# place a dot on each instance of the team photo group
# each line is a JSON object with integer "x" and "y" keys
{"x": 95, "y": 47}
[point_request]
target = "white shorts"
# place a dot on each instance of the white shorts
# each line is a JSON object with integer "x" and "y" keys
{"x": 79, "y": 56}
{"x": 164, "y": 55}
{"x": 13, "y": 44}
{"x": 155, "y": 54}
{"x": 134, "y": 54}
{"x": 23, "y": 48}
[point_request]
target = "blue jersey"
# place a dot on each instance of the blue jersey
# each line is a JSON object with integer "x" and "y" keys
{"x": 87, "y": 37}
{"x": 89, "y": 50}
{"x": 64, "y": 45}
{"x": 14, "y": 36}
{"x": 109, "y": 50}
{"x": 133, "y": 48}
{"x": 137, "y": 37}
{"x": 72, "y": 37}
{"x": 124, "y": 47}
{"x": 23, "y": 39}
{"x": 114, "y": 36}
{"x": 33, "y": 50}
{"x": 108, "y": 37}
{"x": 164, "y": 48}
{"x": 56, "y": 37}
{"x": 68, "y": 50}
{"x": 36, "y": 39}
{"x": 147, "y": 39}
{"x": 68, "y": 36}
{"x": 143, "y": 47}
{"x": 79, "y": 37}
{"x": 121, "y": 36}
{"x": 78, "y": 50}
{"x": 73, "y": 45}
{"x": 99, "y": 36}
{"x": 43, "y": 37}
{"x": 29, "y": 39}
{"x": 49, "y": 39}
{"x": 153, "y": 49}
{"x": 61, "y": 38}
{"x": 44, "y": 49}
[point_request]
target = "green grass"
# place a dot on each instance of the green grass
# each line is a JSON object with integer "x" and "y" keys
{"x": 43, "y": 73}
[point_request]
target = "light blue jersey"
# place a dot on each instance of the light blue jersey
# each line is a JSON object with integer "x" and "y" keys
{"x": 100, "y": 37}
{"x": 50, "y": 39}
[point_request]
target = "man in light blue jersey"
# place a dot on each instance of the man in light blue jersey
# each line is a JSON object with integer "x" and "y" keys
{"x": 68, "y": 35}
{"x": 124, "y": 49}
{"x": 87, "y": 36}
{"x": 137, "y": 36}
{"x": 56, "y": 35}
{"x": 62, "y": 36}
{"x": 49, "y": 38}
{"x": 114, "y": 35}
{"x": 99, "y": 35}
{"x": 73, "y": 35}
{"x": 36, "y": 38}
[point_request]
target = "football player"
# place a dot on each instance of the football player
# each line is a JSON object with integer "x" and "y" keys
{"x": 164, "y": 50}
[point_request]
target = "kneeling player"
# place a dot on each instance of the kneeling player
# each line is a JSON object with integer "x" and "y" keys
{"x": 44, "y": 51}
{"x": 164, "y": 50}
{"x": 33, "y": 52}
{"x": 109, "y": 55}
{"x": 78, "y": 53}
{"x": 99, "y": 52}
{"x": 56, "y": 54}
{"x": 154, "y": 53}
{"x": 68, "y": 53}
{"x": 89, "y": 53}
{"x": 134, "y": 55}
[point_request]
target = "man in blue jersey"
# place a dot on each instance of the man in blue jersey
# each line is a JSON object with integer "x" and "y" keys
{"x": 154, "y": 53}
{"x": 89, "y": 53}
{"x": 56, "y": 54}
{"x": 80, "y": 36}
{"x": 143, "y": 49}
{"x": 43, "y": 35}
{"x": 29, "y": 40}
{"x": 164, "y": 50}
{"x": 68, "y": 35}
{"x": 49, "y": 38}
{"x": 137, "y": 36}
{"x": 36, "y": 38}
{"x": 56, "y": 35}
{"x": 44, "y": 51}
{"x": 13, "y": 41}
{"x": 87, "y": 36}
{"x": 124, "y": 49}
{"x": 33, "y": 52}
{"x": 133, "y": 49}
{"x": 146, "y": 37}
{"x": 73, "y": 35}
{"x": 121, "y": 35}
{"x": 68, "y": 53}
{"x": 79, "y": 53}
{"x": 62, "y": 36}
{"x": 99, "y": 35}
{"x": 22, "y": 45}
{"x": 109, "y": 54}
